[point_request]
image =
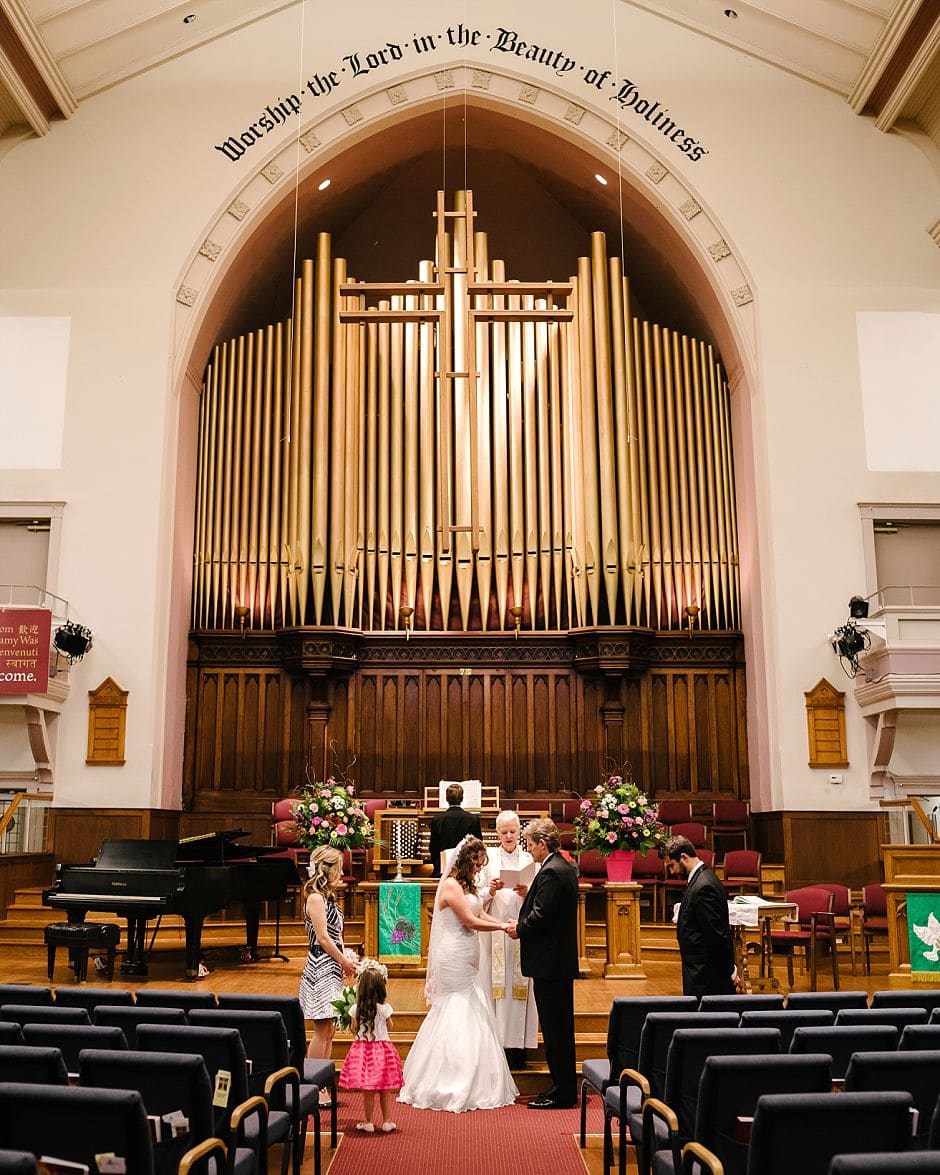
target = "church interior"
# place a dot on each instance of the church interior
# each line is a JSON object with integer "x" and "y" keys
{"x": 532, "y": 397}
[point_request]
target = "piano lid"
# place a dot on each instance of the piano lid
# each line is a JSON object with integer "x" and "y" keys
{"x": 137, "y": 854}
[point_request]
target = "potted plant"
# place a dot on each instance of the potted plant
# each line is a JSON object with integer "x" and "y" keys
{"x": 327, "y": 812}
{"x": 618, "y": 821}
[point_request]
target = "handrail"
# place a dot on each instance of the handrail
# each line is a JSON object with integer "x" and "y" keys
{"x": 8, "y": 814}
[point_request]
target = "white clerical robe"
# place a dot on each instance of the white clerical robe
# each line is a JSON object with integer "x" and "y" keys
{"x": 516, "y": 1016}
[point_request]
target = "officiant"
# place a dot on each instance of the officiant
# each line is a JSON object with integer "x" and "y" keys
{"x": 500, "y": 970}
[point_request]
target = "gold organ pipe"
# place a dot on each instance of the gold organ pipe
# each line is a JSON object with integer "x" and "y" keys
{"x": 426, "y": 423}
{"x": 239, "y": 561}
{"x": 371, "y": 443}
{"x": 705, "y": 616}
{"x": 530, "y": 532}
{"x": 635, "y": 584}
{"x": 691, "y": 474}
{"x": 410, "y": 523}
{"x": 303, "y": 439}
{"x": 514, "y": 374}
{"x": 543, "y": 468}
{"x": 680, "y": 465}
{"x": 555, "y": 349}
{"x": 444, "y": 418}
{"x": 574, "y": 466}
{"x": 199, "y": 527}
{"x": 675, "y": 524}
{"x": 353, "y": 448}
{"x": 714, "y": 552}
{"x": 396, "y": 398}
{"x": 293, "y": 489}
{"x": 654, "y": 497}
{"x": 275, "y": 534}
{"x": 266, "y": 496}
{"x": 484, "y": 469}
{"x": 254, "y": 493}
{"x": 720, "y": 487}
{"x": 734, "y": 619}
{"x": 337, "y": 459}
{"x": 500, "y": 400}
{"x": 620, "y": 486}
{"x": 383, "y": 467}
{"x": 245, "y": 577}
{"x": 319, "y": 543}
{"x": 588, "y": 455}
{"x": 644, "y": 567}
{"x": 607, "y": 486}
{"x": 225, "y": 484}
{"x": 207, "y": 465}
{"x": 464, "y": 422}
{"x": 667, "y": 596}
{"x": 284, "y": 551}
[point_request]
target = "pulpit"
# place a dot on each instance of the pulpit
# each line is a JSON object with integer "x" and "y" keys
{"x": 912, "y": 890}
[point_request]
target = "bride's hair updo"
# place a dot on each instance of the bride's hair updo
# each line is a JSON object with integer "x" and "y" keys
{"x": 464, "y": 866}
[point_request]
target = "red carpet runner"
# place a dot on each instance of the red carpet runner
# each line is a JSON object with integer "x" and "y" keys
{"x": 511, "y": 1141}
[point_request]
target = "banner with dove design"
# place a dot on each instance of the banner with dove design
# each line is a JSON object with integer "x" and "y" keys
{"x": 400, "y": 921}
{"x": 923, "y": 924}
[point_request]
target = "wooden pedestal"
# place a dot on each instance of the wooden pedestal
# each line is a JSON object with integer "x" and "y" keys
{"x": 624, "y": 952}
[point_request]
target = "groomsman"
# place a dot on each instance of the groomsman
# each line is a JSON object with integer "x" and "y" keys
{"x": 547, "y": 929}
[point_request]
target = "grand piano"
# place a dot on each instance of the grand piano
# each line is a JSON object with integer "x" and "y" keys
{"x": 143, "y": 879}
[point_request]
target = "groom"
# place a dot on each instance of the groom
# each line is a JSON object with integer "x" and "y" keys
{"x": 547, "y": 930}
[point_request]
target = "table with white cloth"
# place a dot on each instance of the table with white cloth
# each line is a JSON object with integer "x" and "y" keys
{"x": 751, "y": 918}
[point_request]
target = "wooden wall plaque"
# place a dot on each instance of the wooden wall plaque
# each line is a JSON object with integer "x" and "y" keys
{"x": 107, "y": 720}
{"x": 825, "y": 726}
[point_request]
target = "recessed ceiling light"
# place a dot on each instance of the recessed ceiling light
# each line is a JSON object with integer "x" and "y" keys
{"x": 324, "y": 185}
{"x": 731, "y": 14}
{"x": 189, "y": 18}
{"x": 600, "y": 179}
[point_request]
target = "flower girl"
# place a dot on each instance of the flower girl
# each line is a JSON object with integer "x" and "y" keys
{"x": 372, "y": 1064}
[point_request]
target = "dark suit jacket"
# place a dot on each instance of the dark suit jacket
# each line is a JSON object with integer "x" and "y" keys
{"x": 705, "y": 936}
{"x": 448, "y": 828}
{"x": 548, "y": 922}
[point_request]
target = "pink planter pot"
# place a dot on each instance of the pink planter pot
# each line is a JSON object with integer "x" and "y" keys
{"x": 620, "y": 865}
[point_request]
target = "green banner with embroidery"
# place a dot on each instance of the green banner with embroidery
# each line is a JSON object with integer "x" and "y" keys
{"x": 400, "y": 920}
{"x": 923, "y": 928}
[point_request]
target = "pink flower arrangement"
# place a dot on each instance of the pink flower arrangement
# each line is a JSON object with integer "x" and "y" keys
{"x": 328, "y": 813}
{"x": 618, "y": 816}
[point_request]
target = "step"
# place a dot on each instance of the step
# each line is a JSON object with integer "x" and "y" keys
{"x": 592, "y": 1044}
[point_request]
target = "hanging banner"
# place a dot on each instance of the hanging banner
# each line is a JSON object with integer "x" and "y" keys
{"x": 24, "y": 650}
{"x": 399, "y": 921}
{"x": 923, "y": 929}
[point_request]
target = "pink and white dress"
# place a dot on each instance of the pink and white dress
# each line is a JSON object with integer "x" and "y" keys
{"x": 372, "y": 1062}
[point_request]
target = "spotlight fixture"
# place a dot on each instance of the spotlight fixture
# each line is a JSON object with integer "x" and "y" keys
{"x": 72, "y": 640}
{"x": 189, "y": 18}
{"x": 858, "y": 608}
{"x": 405, "y": 615}
{"x": 731, "y": 14}
{"x": 242, "y": 613}
{"x": 692, "y": 611}
{"x": 848, "y": 642}
{"x": 323, "y": 185}
{"x": 600, "y": 179}
{"x": 517, "y": 612}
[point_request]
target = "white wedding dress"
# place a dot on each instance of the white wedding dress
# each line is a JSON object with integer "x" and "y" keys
{"x": 457, "y": 1062}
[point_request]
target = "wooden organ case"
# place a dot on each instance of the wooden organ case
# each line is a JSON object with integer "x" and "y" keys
{"x": 464, "y": 526}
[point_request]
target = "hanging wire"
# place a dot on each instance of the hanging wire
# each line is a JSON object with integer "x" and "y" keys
{"x": 293, "y": 267}
{"x": 623, "y": 258}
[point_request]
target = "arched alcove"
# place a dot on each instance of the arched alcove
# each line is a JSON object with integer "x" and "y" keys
{"x": 532, "y": 165}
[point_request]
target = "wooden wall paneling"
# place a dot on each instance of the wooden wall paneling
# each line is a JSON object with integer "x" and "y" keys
{"x": 701, "y": 761}
{"x": 77, "y": 833}
{"x": 193, "y": 701}
{"x": 475, "y": 693}
{"x": 499, "y": 733}
{"x": 23, "y": 871}
{"x": 843, "y": 847}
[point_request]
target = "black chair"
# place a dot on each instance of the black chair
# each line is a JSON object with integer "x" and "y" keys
{"x": 272, "y": 1076}
{"x": 729, "y": 1090}
{"x": 787, "y": 1022}
{"x": 899, "y": 1016}
{"x": 802, "y": 1132}
{"x": 17, "y": 1163}
{"x": 169, "y": 1083}
{"x": 913, "y": 1072}
{"x": 76, "y": 1124}
{"x": 239, "y": 1120}
{"x": 842, "y": 1043}
{"x": 913, "y": 1163}
{"x": 91, "y": 997}
{"x": 10, "y": 1032}
{"x": 668, "y": 1124}
{"x": 24, "y": 993}
{"x": 42, "y": 1014}
{"x": 168, "y": 997}
{"x": 928, "y": 998}
{"x": 624, "y": 1026}
{"x": 835, "y": 1001}
{"x": 625, "y": 1097}
{"x": 920, "y": 1036}
{"x": 313, "y": 1070}
{"x": 758, "y": 1002}
{"x": 36, "y": 1066}
{"x": 208, "y": 1158}
{"x": 130, "y": 1019}
{"x": 72, "y": 1038}
{"x": 934, "y": 1016}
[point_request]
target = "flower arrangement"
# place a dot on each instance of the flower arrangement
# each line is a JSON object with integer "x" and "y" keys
{"x": 341, "y": 1005}
{"x": 618, "y": 816}
{"x": 328, "y": 813}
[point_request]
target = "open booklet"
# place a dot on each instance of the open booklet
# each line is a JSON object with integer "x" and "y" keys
{"x": 513, "y": 877}
{"x": 750, "y": 899}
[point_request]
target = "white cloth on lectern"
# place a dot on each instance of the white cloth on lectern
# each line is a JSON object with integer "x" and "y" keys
{"x": 517, "y": 1020}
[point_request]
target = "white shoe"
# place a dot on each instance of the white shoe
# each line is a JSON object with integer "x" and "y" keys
{"x": 366, "y": 1127}
{"x": 388, "y": 1127}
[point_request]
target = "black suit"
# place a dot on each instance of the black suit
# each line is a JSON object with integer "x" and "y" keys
{"x": 448, "y": 828}
{"x": 705, "y": 936}
{"x": 548, "y": 937}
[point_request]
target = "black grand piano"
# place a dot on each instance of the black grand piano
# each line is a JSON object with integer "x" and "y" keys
{"x": 194, "y": 877}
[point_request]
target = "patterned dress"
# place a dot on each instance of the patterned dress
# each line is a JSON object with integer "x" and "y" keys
{"x": 372, "y": 1062}
{"x": 322, "y": 978}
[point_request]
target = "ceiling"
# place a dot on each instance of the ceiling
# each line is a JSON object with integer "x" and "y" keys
{"x": 882, "y": 56}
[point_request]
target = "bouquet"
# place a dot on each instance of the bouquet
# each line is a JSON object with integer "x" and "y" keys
{"x": 341, "y": 1005}
{"x": 328, "y": 813}
{"x": 618, "y": 816}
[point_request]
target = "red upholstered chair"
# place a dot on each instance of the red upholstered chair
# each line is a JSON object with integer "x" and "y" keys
{"x": 373, "y": 806}
{"x": 565, "y": 826}
{"x": 842, "y": 911}
{"x": 671, "y": 812}
{"x": 284, "y": 833}
{"x": 742, "y": 871}
{"x": 874, "y": 918}
{"x": 814, "y": 931}
{"x": 731, "y": 818}
{"x": 592, "y": 867}
{"x": 649, "y": 873}
{"x": 693, "y": 831}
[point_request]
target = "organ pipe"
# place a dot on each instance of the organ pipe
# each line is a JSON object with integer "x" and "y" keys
{"x": 518, "y": 445}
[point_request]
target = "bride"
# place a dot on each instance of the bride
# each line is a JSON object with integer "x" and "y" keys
{"x": 457, "y": 1062}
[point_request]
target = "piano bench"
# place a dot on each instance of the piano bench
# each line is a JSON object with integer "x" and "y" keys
{"x": 80, "y": 938}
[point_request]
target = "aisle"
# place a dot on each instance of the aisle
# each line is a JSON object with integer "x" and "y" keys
{"x": 510, "y": 1141}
